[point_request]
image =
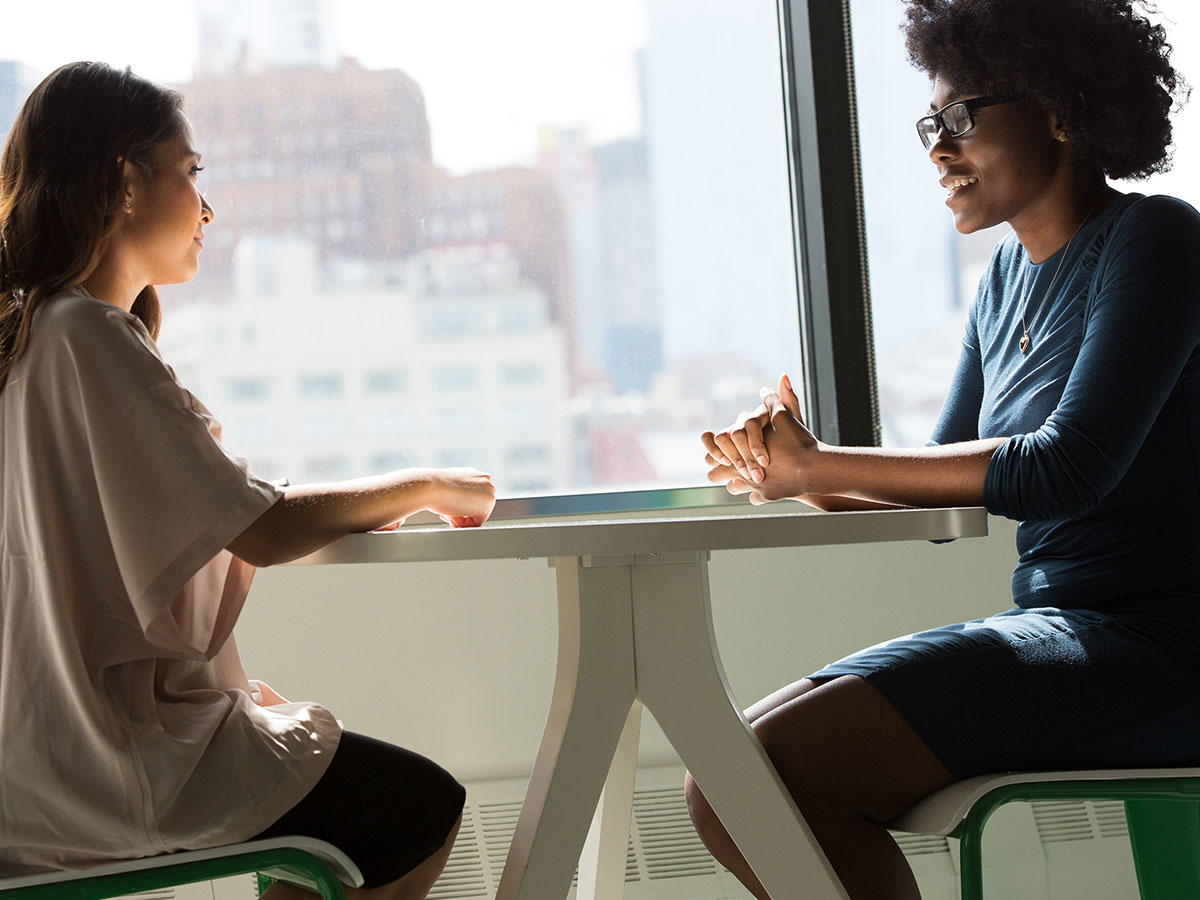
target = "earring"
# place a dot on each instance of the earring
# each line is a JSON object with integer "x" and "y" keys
{"x": 1062, "y": 138}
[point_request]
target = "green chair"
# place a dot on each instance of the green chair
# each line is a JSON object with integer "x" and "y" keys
{"x": 1162, "y": 809}
{"x": 307, "y": 862}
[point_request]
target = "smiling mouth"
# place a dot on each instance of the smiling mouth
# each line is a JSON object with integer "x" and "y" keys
{"x": 959, "y": 183}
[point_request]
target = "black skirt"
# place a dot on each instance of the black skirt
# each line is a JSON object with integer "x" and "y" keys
{"x": 385, "y": 807}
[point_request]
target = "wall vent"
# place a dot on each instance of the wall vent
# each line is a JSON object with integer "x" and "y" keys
{"x": 663, "y": 833}
{"x": 921, "y": 844}
{"x": 663, "y": 845}
{"x": 464, "y": 874}
{"x": 1078, "y": 820}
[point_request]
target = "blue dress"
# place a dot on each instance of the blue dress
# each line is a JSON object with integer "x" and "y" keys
{"x": 1098, "y": 663}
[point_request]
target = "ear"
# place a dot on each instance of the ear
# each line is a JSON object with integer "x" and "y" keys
{"x": 1058, "y": 129}
{"x": 132, "y": 181}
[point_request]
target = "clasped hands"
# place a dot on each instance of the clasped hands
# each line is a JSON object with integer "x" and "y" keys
{"x": 768, "y": 453}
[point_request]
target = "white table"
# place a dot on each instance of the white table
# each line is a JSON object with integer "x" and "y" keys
{"x": 634, "y": 628}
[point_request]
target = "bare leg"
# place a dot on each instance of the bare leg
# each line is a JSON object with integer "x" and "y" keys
{"x": 413, "y": 886}
{"x": 852, "y": 765}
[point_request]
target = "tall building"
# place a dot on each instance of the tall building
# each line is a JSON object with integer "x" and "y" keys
{"x": 605, "y": 192}
{"x": 629, "y": 287}
{"x": 455, "y": 363}
{"x": 515, "y": 208}
{"x": 340, "y": 157}
{"x": 565, "y": 156}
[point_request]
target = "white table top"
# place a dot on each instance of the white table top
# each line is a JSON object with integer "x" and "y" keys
{"x": 619, "y": 537}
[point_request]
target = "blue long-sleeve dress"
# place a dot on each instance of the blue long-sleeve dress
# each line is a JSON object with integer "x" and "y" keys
{"x": 1098, "y": 663}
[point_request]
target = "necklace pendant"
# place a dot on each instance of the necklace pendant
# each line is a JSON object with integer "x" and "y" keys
{"x": 1024, "y": 343}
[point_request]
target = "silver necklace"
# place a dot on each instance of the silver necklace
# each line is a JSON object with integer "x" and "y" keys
{"x": 1026, "y": 342}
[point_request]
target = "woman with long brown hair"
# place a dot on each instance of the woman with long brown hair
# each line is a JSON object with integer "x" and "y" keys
{"x": 129, "y": 537}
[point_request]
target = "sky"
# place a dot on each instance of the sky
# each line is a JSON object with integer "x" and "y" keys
{"x": 560, "y": 61}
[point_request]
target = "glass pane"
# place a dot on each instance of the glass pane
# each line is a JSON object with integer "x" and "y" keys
{"x": 923, "y": 273}
{"x": 545, "y": 237}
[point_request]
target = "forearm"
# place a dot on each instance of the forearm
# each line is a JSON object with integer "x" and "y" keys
{"x": 310, "y": 516}
{"x": 949, "y": 475}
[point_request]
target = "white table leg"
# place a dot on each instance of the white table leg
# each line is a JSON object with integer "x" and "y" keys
{"x": 594, "y": 689}
{"x": 682, "y": 683}
{"x": 602, "y": 866}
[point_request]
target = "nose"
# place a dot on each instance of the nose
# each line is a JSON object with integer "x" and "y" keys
{"x": 944, "y": 148}
{"x": 206, "y": 211}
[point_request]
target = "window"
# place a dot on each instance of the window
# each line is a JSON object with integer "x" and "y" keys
{"x": 519, "y": 375}
{"x": 528, "y": 454}
{"x": 923, "y": 273}
{"x": 386, "y": 381}
{"x": 453, "y": 378}
{"x": 326, "y": 385}
{"x": 324, "y": 426}
{"x": 599, "y": 209}
{"x": 248, "y": 389}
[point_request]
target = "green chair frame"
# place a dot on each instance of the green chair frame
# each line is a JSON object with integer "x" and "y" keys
{"x": 1162, "y": 810}
{"x": 309, "y": 863}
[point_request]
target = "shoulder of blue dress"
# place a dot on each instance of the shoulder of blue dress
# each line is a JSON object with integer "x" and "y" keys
{"x": 1157, "y": 209}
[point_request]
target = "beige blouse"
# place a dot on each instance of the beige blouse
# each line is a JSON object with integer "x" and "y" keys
{"x": 126, "y": 722}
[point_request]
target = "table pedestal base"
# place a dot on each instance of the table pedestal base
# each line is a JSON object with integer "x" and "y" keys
{"x": 608, "y": 608}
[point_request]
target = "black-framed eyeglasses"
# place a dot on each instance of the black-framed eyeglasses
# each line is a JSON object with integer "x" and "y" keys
{"x": 956, "y": 118}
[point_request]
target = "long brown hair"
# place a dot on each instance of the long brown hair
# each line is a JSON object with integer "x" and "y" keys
{"x": 62, "y": 186}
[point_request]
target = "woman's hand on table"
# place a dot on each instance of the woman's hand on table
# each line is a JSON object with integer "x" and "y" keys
{"x": 462, "y": 497}
{"x": 739, "y": 456}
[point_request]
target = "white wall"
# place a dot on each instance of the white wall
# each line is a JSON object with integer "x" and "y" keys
{"x": 456, "y": 660}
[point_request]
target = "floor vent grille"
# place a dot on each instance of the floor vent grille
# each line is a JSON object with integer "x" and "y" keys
{"x": 497, "y": 822}
{"x": 1078, "y": 820}
{"x": 664, "y": 834}
{"x": 922, "y": 844}
{"x": 464, "y": 873}
{"x": 663, "y": 845}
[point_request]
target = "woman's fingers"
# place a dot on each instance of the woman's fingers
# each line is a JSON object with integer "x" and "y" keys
{"x": 740, "y": 445}
{"x": 726, "y": 475}
{"x": 790, "y": 401}
{"x": 714, "y": 455}
{"x": 463, "y": 521}
{"x": 736, "y": 485}
{"x": 749, "y": 443}
{"x": 392, "y": 527}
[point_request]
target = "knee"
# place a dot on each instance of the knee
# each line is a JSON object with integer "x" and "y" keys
{"x": 704, "y": 819}
{"x": 800, "y": 766}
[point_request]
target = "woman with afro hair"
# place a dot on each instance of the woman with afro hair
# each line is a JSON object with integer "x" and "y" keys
{"x": 1074, "y": 409}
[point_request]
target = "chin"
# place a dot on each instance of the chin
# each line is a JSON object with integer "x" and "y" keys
{"x": 971, "y": 224}
{"x": 181, "y": 277}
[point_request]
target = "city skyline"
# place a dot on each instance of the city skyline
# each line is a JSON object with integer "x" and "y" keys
{"x": 473, "y": 82}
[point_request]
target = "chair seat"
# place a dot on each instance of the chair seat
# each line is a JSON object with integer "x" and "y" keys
{"x": 342, "y": 866}
{"x": 941, "y": 812}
